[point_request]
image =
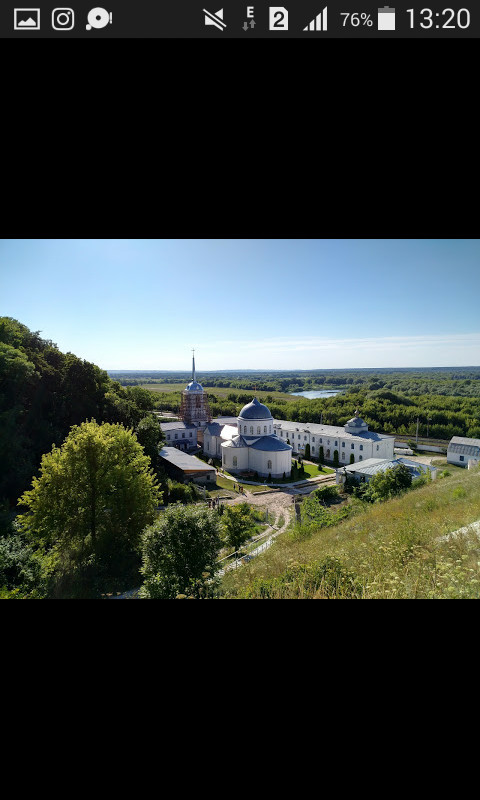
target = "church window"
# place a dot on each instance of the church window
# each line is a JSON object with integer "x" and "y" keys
{"x": 191, "y": 435}
{"x": 259, "y": 430}
{"x": 264, "y": 428}
{"x": 313, "y": 449}
{"x": 353, "y": 447}
{"x": 343, "y": 444}
{"x": 183, "y": 436}
{"x": 343, "y": 456}
{"x": 244, "y": 428}
{"x": 336, "y": 444}
{"x": 270, "y": 428}
{"x": 305, "y": 438}
{"x": 251, "y": 428}
{"x": 281, "y": 434}
{"x": 321, "y": 441}
{"x": 176, "y": 436}
{"x": 361, "y": 447}
{"x": 378, "y": 447}
{"x": 269, "y": 465}
{"x": 234, "y": 461}
{"x": 313, "y": 438}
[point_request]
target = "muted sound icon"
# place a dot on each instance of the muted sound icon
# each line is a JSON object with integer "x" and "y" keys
{"x": 319, "y": 23}
{"x": 215, "y": 19}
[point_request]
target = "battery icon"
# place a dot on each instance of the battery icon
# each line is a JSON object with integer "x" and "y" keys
{"x": 386, "y": 19}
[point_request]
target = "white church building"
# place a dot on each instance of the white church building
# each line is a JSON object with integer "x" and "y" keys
{"x": 250, "y": 445}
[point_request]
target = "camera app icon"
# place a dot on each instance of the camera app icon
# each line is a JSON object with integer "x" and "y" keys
{"x": 63, "y": 19}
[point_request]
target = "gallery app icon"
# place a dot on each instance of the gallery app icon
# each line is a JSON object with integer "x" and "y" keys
{"x": 26, "y": 19}
{"x": 63, "y": 19}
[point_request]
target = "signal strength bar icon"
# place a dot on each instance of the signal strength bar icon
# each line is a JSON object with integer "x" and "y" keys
{"x": 319, "y": 23}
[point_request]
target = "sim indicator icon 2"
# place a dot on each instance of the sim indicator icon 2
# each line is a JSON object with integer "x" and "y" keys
{"x": 386, "y": 19}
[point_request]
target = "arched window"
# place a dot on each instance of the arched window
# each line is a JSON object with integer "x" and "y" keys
{"x": 269, "y": 465}
{"x": 259, "y": 429}
{"x": 251, "y": 428}
{"x": 234, "y": 461}
{"x": 244, "y": 428}
{"x": 264, "y": 428}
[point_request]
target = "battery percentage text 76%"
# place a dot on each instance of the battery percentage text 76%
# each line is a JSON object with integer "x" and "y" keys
{"x": 356, "y": 19}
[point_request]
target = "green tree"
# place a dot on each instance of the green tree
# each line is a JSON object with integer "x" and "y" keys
{"x": 238, "y": 523}
{"x": 149, "y": 434}
{"x": 388, "y": 484}
{"x": 335, "y": 459}
{"x": 179, "y": 553}
{"x": 94, "y": 497}
{"x": 321, "y": 457}
{"x": 307, "y": 450}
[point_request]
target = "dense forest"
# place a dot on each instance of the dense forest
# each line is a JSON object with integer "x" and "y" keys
{"x": 43, "y": 392}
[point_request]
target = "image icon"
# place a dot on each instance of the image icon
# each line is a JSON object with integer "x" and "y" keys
{"x": 26, "y": 19}
{"x": 63, "y": 19}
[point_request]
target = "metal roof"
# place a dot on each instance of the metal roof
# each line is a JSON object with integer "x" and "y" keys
{"x": 176, "y": 426}
{"x": 184, "y": 461}
{"x": 330, "y": 430}
{"x": 270, "y": 444}
{"x": 373, "y": 465}
{"x": 461, "y": 444}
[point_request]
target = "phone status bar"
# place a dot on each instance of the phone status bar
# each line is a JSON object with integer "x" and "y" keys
{"x": 144, "y": 19}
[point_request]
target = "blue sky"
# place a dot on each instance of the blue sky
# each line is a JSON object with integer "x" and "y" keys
{"x": 249, "y": 303}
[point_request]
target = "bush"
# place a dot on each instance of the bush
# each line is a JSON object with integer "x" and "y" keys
{"x": 179, "y": 553}
{"x": 326, "y": 493}
{"x": 181, "y": 492}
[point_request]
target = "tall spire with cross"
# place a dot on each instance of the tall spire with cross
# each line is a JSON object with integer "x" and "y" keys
{"x": 193, "y": 366}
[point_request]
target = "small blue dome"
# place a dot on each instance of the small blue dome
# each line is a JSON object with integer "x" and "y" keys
{"x": 255, "y": 410}
{"x": 193, "y": 386}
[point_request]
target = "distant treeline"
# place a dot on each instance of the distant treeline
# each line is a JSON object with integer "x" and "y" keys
{"x": 446, "y": 381}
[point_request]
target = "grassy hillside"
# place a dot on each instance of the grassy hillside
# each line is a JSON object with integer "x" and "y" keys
{"x": 388, "y": 550}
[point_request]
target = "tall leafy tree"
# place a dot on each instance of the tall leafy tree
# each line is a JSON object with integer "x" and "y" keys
{"x": 93, "y": 498}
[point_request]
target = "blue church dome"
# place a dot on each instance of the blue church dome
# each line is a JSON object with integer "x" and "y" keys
{"x": 255, "y": 410}
{"x": 193, "y": 386}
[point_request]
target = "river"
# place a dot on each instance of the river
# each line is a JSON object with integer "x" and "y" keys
{"x": 312, "y": 395}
